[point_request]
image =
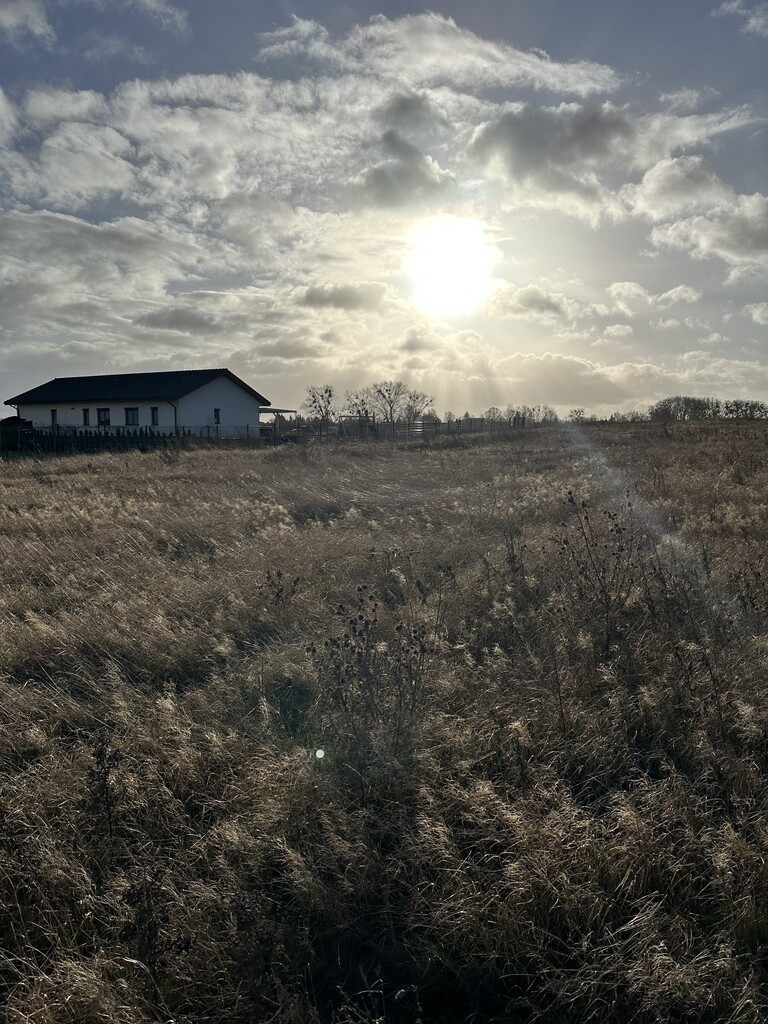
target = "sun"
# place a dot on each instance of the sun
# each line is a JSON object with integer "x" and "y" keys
{"x": 450, "y": 262}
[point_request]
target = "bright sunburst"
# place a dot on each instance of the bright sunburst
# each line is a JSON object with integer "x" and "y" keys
{"x": 450, "y": 262}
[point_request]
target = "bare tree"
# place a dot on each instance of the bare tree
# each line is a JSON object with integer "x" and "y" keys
{"x": 546, "y": 414}
{"x": 360, "y": 403}
{"x": 686, "y": 407}
{"x": 414, "y": 404}
{"x": 389, "y": 397}
{"x": 744, "y": 409}
{"x": 320, "y": 404}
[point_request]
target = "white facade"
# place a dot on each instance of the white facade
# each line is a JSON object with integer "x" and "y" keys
{"x": 219, "y": 408}
{"x": 70, "y": 415}
{"x": 237, "y": 409}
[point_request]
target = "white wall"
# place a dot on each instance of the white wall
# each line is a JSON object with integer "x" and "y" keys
{"x": 72, "y": 415}
{"x": 238, "y": 411}
{"x": 237, "y": 407}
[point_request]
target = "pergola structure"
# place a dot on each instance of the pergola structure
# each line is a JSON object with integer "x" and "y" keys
{"x": 270, "y": 410}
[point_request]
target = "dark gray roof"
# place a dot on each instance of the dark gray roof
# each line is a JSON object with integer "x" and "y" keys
{"x": 124, "y": 387}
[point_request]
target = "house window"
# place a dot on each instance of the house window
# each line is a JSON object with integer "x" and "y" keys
{"x": 131, "y": 417}
{"x": 154, "y": 412}
{"x": 102, "y": 417}
{"x": 54, "y": 417}
{"x": 86, "y": 417}
{"x": 217, "y": 416}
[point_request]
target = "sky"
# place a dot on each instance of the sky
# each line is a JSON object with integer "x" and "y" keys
{"x": 542, "y": 201}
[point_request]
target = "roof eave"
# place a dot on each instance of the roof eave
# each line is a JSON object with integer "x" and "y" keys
{"x": 29, "y": 397}
{"x": 23, "y": 400}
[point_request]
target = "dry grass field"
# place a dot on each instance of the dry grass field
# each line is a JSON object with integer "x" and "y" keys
{"x": 537, "y": 669}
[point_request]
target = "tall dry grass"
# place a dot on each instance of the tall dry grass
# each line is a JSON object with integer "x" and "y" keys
{"x": 536, "y": 668}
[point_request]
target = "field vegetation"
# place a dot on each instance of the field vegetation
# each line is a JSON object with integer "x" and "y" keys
{"x": 536, "y": 668}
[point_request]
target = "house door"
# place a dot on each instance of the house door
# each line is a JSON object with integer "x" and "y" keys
{"x": 54, "y": 418}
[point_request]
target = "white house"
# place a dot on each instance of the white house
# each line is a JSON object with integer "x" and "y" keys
{"x": 204, "y": 401}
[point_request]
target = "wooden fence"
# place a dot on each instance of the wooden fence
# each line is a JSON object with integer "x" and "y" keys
{"x": 358, "y": 428}
{"x": 21, "y": 437}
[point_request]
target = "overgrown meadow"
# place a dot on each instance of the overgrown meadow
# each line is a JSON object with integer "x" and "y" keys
{"x": 536, "y": 668}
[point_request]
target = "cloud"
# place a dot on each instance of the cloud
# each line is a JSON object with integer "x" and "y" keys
{"x": 535, "y": 303}
{"x": 163, "y": 12}
{"x": 8, "y": 118}
{"x": 675, "y": 186}
{"x": 103, "y": 47}
{"x": 669, "y": 324}
{"x": 20, "y": 18}
{"x": 560, "y": 157}
{"x": 51, "y": 264}
{"x": 411, "y": 110}
{"x": 685, "y": 101}
{"x": 557, "y": 150}
{"x": 209, "y": 138}
{"x": 271, "y": 213}
{"x": 421, "y": 339}
{"x": 81, "y": 162}
{"x": 532, "y": 139}
{"x": 695, "y": 323}
{"x": 737, "y": 234}
{"x": 680, "y": 293}
{"x": 755, "y": 18}
{"x": 180, "y": 320}
{"x": 427, "y": 50}
{"x": 352, "y": 297}
{"x": 557, "y": 379}
{"x": 628, "y": 297}
{"x": 289, "y": 350}
{"x": 660, "y": 135}
{"x": 610, "y": 344}
{"x": 200, "y": 139}
{"x": 166, "y": 14}
{"x": 405, "y": 176}
{"x": 604, "y": 386}
{"x": 600, "y": 385}
{"x": 757, "y": 311}
{"x": 43, "y": 107}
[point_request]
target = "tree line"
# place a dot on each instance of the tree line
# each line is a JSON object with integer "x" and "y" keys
{"x": 388, "y": 401}
{"x": 684, "y": 407}
{"x": 392, "y": 401}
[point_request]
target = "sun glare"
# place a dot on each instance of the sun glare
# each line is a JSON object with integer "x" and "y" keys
{"x": 450, "y": 263}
